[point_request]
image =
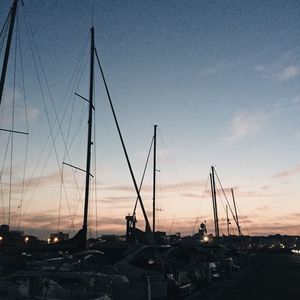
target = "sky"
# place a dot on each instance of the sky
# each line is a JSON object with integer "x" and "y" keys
{"x": 219, "y": 78}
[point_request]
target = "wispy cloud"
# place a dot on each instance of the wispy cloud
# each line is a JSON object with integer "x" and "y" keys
{"x": 193, "y": 184}
{"x": 287, "y": 173}
{"x": 274, "y": 228}
{"x": 279, "y": 70}
{"x": 212, "y": 70}
{"x": 32, "y": 113}
{"x": 265, "y": 187}
{"x": 42, "y": 224}
{"x": 263, "y": 208}
{"x": 244, "y": 124}
{"x": 288, "y": 73}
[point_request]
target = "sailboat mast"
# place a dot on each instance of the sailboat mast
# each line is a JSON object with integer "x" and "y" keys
{"x": 236, "y": 215}
{"x": 154, "y": 175}
{"x": 213, "y": 202}
{"x": 89, "y": 141}
{"x": 7, "y": 48}
{"x": 227, "y": 219}
{"x": 214, "y": 199}
{"x": 148, "y": 228}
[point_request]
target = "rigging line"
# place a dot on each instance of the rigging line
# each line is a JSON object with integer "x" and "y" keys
{"x": 60, "y": 198}
{"x": 38, "y": 181}
{"x": 74, "y": 80}
{"x": 79, "y": 201}
{"x": 201, "y": 199}
{"x": 160, "y": 195}
{"x": 148, "y": 228}
{"x": 46, "y": 111}
{"x": 5, "y": 22}
{"x": 2, "y": 171}
{"x": 170, "y": 162}
{"x": 34, "y": 44}
{"x": 174, "y": 173}
{"x": 143, "y": 176}
{"x": 77, "y": 75}
{"x": 26, "y": 121}
{"x": 66, "y": 153}
{"x": 76, "y": 83}
{"x": 171, "y": 228}
{"x": 232, "y": 228}
{"x": 244, "y": 224}
{"x": 12, "y": 128}
{"x": 79, "y": 190}
{"x": 221, "y": 203}
{"x": 4, "y": 31}
{"x": 160, "y": 220}
{"x": 92, "y": 195}
{"x": 233, "y": 216}
{"x": 221, "y": 200}
{"x": 244, "y": 221}
{"x": 53, "y": 106}
{"x": 95, "y": 174}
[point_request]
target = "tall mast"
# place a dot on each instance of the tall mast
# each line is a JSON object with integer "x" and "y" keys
{"x": 214, "y": 199}
{"x": 148, "y": 227}
{"x": 236, "y": 214}
{"x": 154, "y": 175}
{"x": 8, "y": 44}
{"x": 213, "y": 202}
{"x": 227, "y": 220}
{"x": 89, "y": 141}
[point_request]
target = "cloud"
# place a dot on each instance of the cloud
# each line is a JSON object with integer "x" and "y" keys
{"x": 296, "y": 99}
{"x": 212, "y": 70}
{"x": 253, "y": 194}
{"x": 193, "y": 184}
{"x": 288, "y": 73}
{"x": 33, "y": 113}
{"x": 280, "y": 70}
{"x": 296, "y": 216}
{"x": 34, "y": 181}
{"x": 237, "y": 191}
{"x": 192, "y": 195}
{"x": 42, "y": 224}
{"x": 287, "y": 173}
{"x": 263, "y": 208}
{"x": 244, "y": 124}
{"x": 160, "y": 154}
{"x": 274, "y": 228}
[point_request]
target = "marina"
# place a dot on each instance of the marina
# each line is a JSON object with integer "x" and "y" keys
{"x": 73, "y": 227}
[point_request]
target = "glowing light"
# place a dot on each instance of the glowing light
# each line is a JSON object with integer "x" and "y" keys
{"x": 206, "y": 238}
{"x": 49, "y": 240}
{"x": 26, "y": 239}
{"x": 55, "y": 239}
{"x": 1, "y": 238}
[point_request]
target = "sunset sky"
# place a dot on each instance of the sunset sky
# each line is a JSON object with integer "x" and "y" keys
{"x": 220, "y": 78}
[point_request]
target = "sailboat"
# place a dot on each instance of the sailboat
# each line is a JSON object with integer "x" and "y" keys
{"x": 79, "y": 241}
